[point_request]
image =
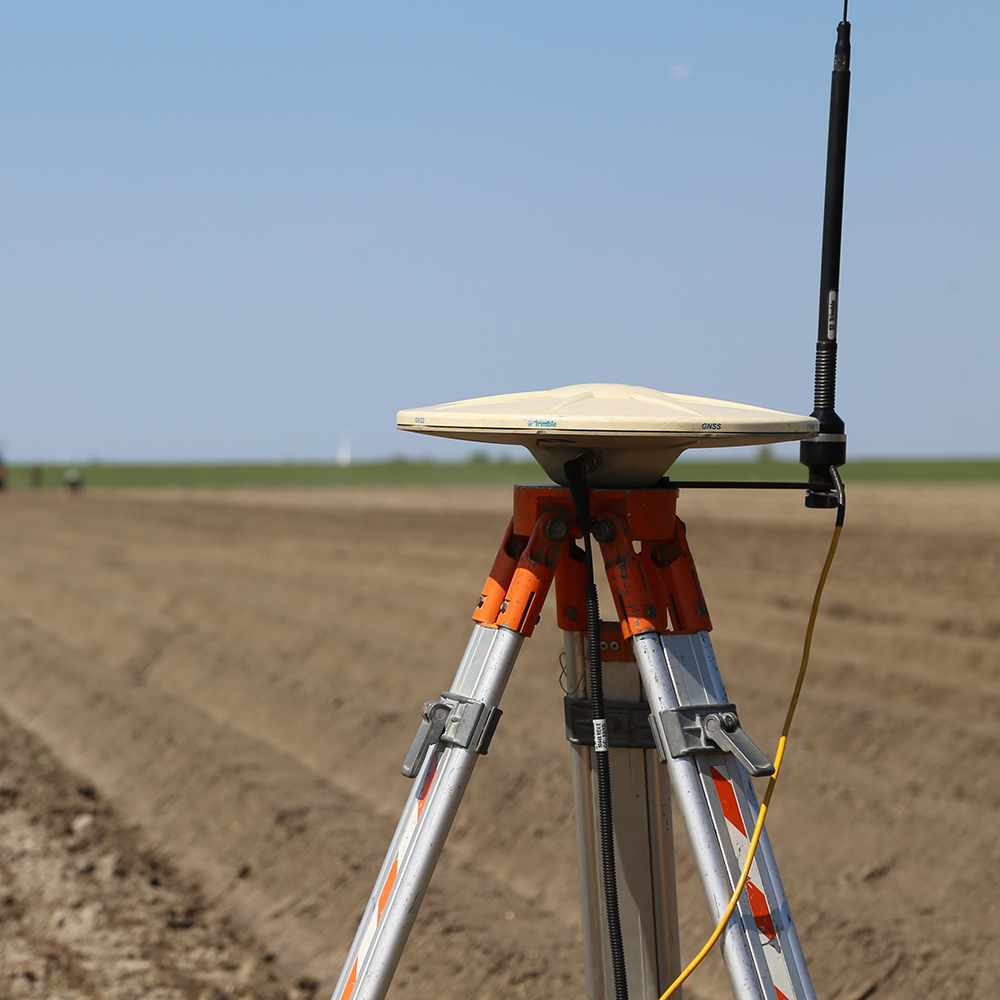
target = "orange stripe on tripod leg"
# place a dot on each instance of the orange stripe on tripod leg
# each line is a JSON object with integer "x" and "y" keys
{"x": 781, "y": 996}
{"x": 727, "y": 798}
{"x": 426, "y": 787}
{"x": 387, "y": 888}
{"x": 761, "y": 911}
{"x": 351, "y": 979}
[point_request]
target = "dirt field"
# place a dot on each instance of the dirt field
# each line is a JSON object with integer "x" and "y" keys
{"x": 210, "y": 694}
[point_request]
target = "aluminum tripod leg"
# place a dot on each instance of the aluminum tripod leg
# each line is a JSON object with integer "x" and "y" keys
{"x": 427, "y": 817}
{"x": 644, "y": 850}
{"x": 761, "y": 949}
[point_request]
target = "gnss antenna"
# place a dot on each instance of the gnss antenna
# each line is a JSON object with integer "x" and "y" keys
{"x": 828, "y": 449}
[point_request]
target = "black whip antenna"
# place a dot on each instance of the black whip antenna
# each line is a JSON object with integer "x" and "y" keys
{"x": 829, "y": 447}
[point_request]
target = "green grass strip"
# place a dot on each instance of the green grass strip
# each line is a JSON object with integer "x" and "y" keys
{"x": 857, "y": 471}
{"x": 476, "y": 472}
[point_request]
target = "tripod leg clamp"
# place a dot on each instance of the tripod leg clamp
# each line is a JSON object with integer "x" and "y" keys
{"x": 454, "y": 720}
{"x": 695, "y": 729}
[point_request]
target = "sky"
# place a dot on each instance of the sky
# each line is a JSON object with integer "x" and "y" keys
{"x": 253, "y": 231}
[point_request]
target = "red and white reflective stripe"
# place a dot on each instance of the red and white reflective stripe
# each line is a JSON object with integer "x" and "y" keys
{"x": 759, "y": 906}
{"x": 390, "y": 880}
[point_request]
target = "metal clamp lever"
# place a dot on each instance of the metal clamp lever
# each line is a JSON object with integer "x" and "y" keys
{"x": 454, "y": 720}
{"x": 694, "y": 729}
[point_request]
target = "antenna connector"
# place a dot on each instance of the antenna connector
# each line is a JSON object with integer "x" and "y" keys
{"x": 819, "y": 454}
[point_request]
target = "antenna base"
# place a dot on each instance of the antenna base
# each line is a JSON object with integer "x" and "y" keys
{"x": 819, "y": 453}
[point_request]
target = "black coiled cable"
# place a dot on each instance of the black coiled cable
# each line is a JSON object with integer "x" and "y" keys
{"x": 577, "y": 475}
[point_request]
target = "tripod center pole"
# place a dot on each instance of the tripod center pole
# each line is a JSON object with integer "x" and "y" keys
{"x": 576, "y": 473}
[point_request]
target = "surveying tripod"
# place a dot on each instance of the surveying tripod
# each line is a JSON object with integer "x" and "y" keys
{"x": 671, "y": 711}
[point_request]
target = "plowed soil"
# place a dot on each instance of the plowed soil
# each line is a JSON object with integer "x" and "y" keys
{"x": 209, "y": 696}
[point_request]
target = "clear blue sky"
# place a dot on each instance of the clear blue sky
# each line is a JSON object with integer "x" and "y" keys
{"x": 242, "y": 229}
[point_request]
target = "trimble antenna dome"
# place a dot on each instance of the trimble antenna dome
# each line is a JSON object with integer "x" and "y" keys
{"x": 634, "y": 434}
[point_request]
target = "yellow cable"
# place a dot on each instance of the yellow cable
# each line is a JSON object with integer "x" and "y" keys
{"x": 778, "y": 757}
